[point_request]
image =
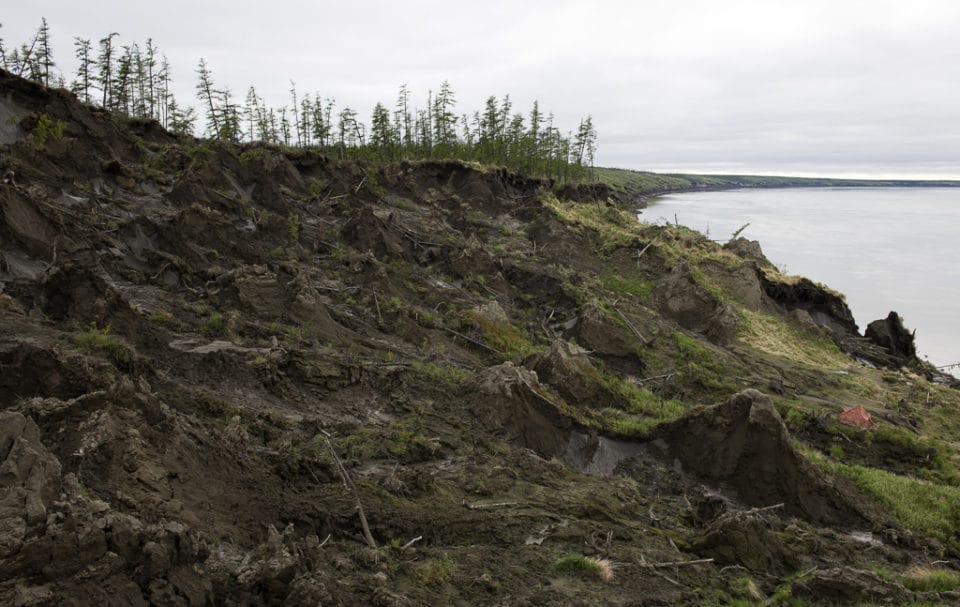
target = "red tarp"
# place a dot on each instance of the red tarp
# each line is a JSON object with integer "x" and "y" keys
{"x": 856, "y": 416}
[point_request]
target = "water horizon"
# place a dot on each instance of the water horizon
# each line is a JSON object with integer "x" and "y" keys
{"x": 885, "y": 248}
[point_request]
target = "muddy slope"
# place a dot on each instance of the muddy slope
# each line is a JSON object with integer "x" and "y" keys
{"x": 199, "y": 340}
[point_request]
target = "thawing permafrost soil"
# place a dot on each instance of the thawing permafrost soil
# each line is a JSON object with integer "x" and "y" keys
{"x": 193, "y": 333}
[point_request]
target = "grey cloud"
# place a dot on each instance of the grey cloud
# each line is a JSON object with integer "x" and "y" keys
{"x": 770, "y": 86}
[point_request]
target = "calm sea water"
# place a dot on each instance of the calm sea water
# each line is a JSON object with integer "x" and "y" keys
{"x": 884, "y": 248}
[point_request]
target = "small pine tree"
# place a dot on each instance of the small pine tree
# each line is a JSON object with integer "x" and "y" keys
{"x": 44, "y": 53}
{"x": 81, "y": 86}
{"x": 105, "y": 63}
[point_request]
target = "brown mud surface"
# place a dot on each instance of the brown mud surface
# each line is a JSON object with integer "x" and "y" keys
{"x": 194, "y": 336}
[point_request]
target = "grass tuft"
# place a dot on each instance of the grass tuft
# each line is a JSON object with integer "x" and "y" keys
{"x": 925, "y": 579}
{"x": 436, "y": 572}
{"x": 99, "y": 341}
{"x": 574, "y": 563}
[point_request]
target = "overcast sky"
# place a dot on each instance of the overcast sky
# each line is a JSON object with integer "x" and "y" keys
{"x": 843, "y": 87}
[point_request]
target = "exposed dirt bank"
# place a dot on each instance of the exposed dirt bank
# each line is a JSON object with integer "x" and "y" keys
{"x": 198, "y": 341}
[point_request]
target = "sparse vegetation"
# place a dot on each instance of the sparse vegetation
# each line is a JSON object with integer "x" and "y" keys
{"x": 927, "y": 579}
{"x": 794, "y": 418}
{"x": 47, "y": 129}
{"x": 215, "y": 325}
{"x": 701, "y": 368}
{"x": 922, "y": 506}
{"x": 445, "y": 375}
{"x": 293, "y": 226}
{"x": 95, "y": 340}
{"x": 575, "y": 563}
{"x": 501, "y": 336}
{"x": 436, "y": 572}
{"x": 161, "y": 317}
{"x": 776, "y": 336}
{"x": 473, "y": 466}
{"x": 394, "y": 305}
{"x": 621, "y": 285}
{"x": 640, "y": 401}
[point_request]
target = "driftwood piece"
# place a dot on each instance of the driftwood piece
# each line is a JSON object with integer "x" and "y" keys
{"x": 676, "y": 563}
{"x": 376, "y": 302}
{"x": 489, "y": 505}
{"x": 631, "y": 326}
{"x": 349, "y": 484}
{"x": 473, "y": 341}
{"x": 644, "y": 249}
{"x": 411, "y": 542}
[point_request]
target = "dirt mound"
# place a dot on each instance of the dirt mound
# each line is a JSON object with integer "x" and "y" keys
{"x": 511, "y": 402}
{"x": 889, "y": 333}
{"x": 568, "y": 368}
{"x": 585, "y": 192}
{"x": 747, "y": 541}
{"x": 598, "y": 333}
{"x": 748, "y": 249}
{"x": 367, "y": 232}
{"x": 53, "y": 532}
{"x": 681, "y": 298}
{"x": 30, "y": 477}
{"x": 743, "y": 445}
{"x": 827, "y": 308}
{"x": 847, "y": 586}
{"x": 25, "y": 223}
{"x": 31, "y": 370}
{"x": 740, "y": 282}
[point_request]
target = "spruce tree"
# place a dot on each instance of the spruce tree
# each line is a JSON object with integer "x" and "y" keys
{"x": 105, "y": 63}
{"x": 207, "y": 94}
{"x": 404, "y": 122}
{"x": 81, "y": 86}
{"x": 149, "y": 65}
{"x": 44, "y": 53}
{"x": 380, "y": 137}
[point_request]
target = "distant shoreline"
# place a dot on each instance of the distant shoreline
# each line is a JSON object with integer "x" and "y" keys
{"x": 639, "y": 187}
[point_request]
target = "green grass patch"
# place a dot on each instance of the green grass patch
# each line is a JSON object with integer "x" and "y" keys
{"x": 576, "y": 563}
{"x": 161, "y": 317}
{"x": 622, "y": 285}
{"x": 697, "y": 365}
{"x": 625, "y": 424}
{"x": 614, "y": 226}
{"x": 394, "y": 305}
{"x": 252, "y": 156}
{"x": 502, "y": 336}
{"x": 640, "y": 401}
{"x": 436, "y": 572}
{"x": 405, "y": 441}
{"x": 794, "y": 418}
{"x": 99, "y": 341}
{"x": 776, "y": 336}
{"x": 924, "y": 579}
{"x": 443, "y": 375}
{"x": 921, "y": 506}
{"x": 215, "y": 325}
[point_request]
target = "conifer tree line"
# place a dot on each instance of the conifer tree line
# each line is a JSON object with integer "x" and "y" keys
{"x": 130, "y": 80}
{"x": 134, "y": 81}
